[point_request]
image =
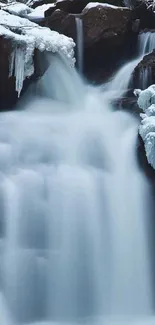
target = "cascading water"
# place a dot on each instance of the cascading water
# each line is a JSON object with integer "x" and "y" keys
{"x": 145, "y": 77}
{"x": 121, "y": 81}
{"x": 74, "y": 210}
{"x": 79, "y": 29}
{"x": 146, "y": 43}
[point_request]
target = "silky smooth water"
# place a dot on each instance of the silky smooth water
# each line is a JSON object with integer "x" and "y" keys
{"x": 74, "y": 241}
{"x": 80, "y": 43}
{"x": 122, "y": 80}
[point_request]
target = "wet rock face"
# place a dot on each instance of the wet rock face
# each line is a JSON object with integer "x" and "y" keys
{"x": 106, "y": 31}
{"x": 144, "y": 73}
{"x": 143, "y": 163}
{"x": 8, "y": 96}
{"x": 128, "y": 103}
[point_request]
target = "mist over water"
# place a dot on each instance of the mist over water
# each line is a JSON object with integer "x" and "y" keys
{"x": 75, "y": 209}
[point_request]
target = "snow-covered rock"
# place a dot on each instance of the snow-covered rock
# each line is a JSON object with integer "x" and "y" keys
{"x": 146, "y": 102}
{"x": 16, "y": 8}
{"x": 25, "y": 37}
{"x": 104, "y": 5}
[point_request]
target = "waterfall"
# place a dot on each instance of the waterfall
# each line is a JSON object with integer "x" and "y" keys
{"x": 121, "y": 81}
{"x": 146, "y": 43}
{"x": 145, "y": 77}
{"x": 79, "y": 29}
{"x": 74, "y": 244}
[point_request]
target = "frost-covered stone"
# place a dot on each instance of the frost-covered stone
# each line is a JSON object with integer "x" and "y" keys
{"x": 151, "y": 110}
{"x": 146, "y": 97}
{"x": 27, "y": 36}
{"x": 146, "y": 102}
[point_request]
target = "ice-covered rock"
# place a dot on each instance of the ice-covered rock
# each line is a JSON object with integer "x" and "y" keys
{"x": 146, "y": 97}
{"x": 146, "y": 102}
{"x": 25, "y": 37}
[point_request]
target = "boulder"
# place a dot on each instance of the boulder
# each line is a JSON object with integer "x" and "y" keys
{"x": 105, "y": 25}
{"x": 141, "y": 11}
{"x": 76, "y": 6}
{"x": 107, "y": 32}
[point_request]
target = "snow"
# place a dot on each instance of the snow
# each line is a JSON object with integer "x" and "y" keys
{"x": 25, "y": 37}
{"x": 31, "y": 2}
{"x": 40, "y": 10}
{"x": 17, "y": 8}
{"x": 104, "y": 5}
{"x": 146, "y": 102}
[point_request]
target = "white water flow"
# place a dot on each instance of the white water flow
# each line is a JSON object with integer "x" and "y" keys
{"x": 79, "y": 43}
{"x": 74, "y": 210}
{"x": 121, "y": 81}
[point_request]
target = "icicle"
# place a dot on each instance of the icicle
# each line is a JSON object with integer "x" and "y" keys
{"x": 11, "y": 63}
{"x": 19, "y": 68}
{"x": 26, "y": 36}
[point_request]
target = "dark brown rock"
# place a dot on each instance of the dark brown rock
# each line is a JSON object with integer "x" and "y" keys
{"x": 8, "y": 95}
{"x": 76, "y": 6}
{"x": 106, "y": 32}
{"x": 106, "y": 25}
{"x": 61, "y": 22}
{"x": 143, "y": 163}
{"x": 145, "y": 15}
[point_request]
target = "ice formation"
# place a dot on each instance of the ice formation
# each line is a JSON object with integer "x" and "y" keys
{"x": 146, "y": 102}
{"x": 146, "y": 97}
{"x": 27, "y": 36}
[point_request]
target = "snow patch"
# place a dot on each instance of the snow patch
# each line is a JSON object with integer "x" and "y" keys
{"x": 40, "y": 10}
